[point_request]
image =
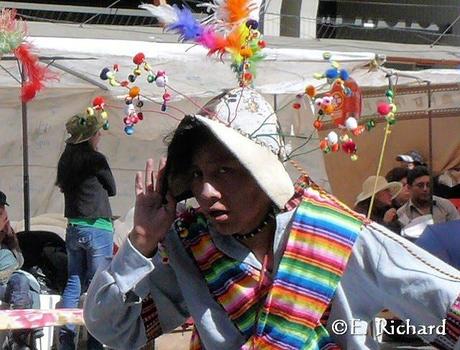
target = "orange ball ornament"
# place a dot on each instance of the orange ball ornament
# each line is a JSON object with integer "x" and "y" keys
{"x": 246, "y": 52}
{"x": 323, "y": 144}
{"x": 310, "y": 90}
{"x": 329, "y": 109}
{"x": 318, "y": 124}
{"x": 134, "y": 92}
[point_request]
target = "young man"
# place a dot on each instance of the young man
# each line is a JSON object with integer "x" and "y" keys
{"x": 421, "y": 200}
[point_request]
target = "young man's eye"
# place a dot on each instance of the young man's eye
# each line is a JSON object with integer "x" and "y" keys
{"x": 196, "y": 174}
{"x": 224, "y": 170}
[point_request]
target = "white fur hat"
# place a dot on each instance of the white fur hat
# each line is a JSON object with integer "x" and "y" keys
{"x": 246, "y": 124}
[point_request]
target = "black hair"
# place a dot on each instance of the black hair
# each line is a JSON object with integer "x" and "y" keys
{"x": 397, "y": 174}
{"x": 190, "y": 136}
{"x": 417, "y": 172}
{"x": 77, "y": 162}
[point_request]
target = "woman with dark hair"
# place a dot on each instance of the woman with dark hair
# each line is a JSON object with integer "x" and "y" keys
{"x": 86, "y": 180}
{"x": 262, "y": 263}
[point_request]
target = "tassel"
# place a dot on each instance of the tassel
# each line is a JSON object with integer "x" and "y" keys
{"x": 36, "y": 73}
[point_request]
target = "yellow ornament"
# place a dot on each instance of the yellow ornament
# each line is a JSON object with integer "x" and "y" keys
{"x": 104, "y": 115}
{"x": 90, "y": 111}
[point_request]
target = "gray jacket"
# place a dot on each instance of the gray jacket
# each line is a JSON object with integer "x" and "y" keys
{"x": 382, "y": 272}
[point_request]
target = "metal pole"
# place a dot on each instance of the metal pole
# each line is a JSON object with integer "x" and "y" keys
{"x": 25, "y": 159}
{"x": 430, "y": 144}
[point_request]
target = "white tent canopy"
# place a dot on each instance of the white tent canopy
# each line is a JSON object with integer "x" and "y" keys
{"x": 288, "y": 68}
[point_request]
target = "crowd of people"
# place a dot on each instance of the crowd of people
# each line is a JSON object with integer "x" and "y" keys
{"x": 404, "y": 200}
{"x": 275, "y": 271}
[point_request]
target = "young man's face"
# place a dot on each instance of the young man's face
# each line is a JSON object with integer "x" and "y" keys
{"x": 3, "y": 217}
{"x": 420, "y": 189}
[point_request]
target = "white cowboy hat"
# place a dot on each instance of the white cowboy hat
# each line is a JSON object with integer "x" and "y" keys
{"x": 246, "y": 124}
{"x": 368, "y": 187}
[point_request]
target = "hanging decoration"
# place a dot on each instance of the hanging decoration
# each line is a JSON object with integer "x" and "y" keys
{"x": 340, "y": 105}
{"x": 13, "y": 34}
{"x": 230, "y": 30}
{"x": 133, "y": 100}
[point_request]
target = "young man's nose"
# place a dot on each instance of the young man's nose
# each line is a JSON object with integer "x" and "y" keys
{"x": 208, "y": 191}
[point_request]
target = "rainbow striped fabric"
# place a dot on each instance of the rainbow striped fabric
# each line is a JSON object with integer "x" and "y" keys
{"x": 284, "y": 313}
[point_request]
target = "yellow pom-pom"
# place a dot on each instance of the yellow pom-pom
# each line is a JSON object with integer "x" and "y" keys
{"x": 90, "y": 111}
{"x": 104, "y": 115}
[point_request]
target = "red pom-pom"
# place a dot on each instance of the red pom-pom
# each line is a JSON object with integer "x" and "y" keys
{"x": 139, "y": 58}
{"x": 296, "y": 105}
{"x": 317, "y": 124}
{"x": 349, "y": 147}
{"x": 383, "y": 108}
{"x": 124, "y": 83}
{"x": 262, "y": 44}
{"x": 247, "y": 76}
{"x": 98, "y": 101}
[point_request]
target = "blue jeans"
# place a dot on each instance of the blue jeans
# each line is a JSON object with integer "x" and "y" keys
{"x": 17, "y": 291}
{"x": 87, "y": 248}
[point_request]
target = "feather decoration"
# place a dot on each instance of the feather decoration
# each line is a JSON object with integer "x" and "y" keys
{"x": 229, "y": 12}
{"x": 213, "y": 41}
{"x": 12, "y": 31}
{"x": 186, "y": 25}
{"x": 236, "y": 11}
{"x": 166, "y": 14}
{"x": 236, "y": 40}
{"x": 36, "y": 73}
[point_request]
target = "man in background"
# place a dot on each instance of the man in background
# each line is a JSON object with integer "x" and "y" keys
{"x": 423, "y": 203}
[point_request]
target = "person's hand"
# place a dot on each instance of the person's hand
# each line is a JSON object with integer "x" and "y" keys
{"x": 152, "y": 217}
{"x": 390, "y": 215}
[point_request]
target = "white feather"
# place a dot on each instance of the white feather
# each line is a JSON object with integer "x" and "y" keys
{"x": 164, "y": 13}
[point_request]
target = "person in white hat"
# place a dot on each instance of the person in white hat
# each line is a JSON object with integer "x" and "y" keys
{"x": 262, "y": 263}
{"x": 382, "y": 210}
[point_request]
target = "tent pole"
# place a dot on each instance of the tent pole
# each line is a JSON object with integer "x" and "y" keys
{"x": 430, "y": 142}
{"x": 25, "y": 159}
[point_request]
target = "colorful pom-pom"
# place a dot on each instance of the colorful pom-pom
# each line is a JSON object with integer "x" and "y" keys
{"x": 310, "y": 90}
{"x": 329, "y": 109}
{"x": 383, "y": 108}
{"x": 296, "y": 105}
{"x": 134, "y": 92}
{"x": 332, "y": 138}
{"x": 351, "y": 123}
{"x": 98, "y": 101}
{"x": 317, "y": 124}
{"x": 344, "y": 75}
{"x": 129, "y": 130}
{"x": 252, "y": 24}
{"x": 139, "y": 58}
{"x": 332, "y": 73}
{"x": 104, "y": 72}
